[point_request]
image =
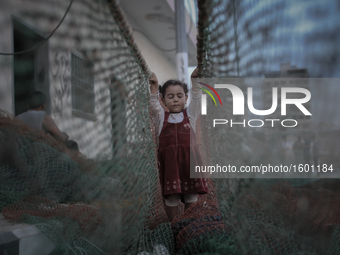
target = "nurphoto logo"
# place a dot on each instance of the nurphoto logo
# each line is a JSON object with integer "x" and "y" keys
{"x": 204, "y": 97}
{"x": 238, "y": 104}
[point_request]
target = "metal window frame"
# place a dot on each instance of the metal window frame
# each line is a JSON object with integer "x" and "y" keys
{"x": 79, "y": 111}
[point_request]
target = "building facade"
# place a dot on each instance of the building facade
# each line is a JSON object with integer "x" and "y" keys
{"x": 75, "y": 52}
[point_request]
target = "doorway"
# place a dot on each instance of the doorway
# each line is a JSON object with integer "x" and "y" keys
{"x": 30, "y": 69}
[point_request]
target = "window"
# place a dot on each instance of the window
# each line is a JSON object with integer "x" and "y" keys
{"x": 82, "y": 87}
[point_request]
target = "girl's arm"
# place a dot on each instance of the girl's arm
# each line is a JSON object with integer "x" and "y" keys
{"x": 153, "y": 81}
{"x": 194, "y": 78}
{"x": 194, "y": 108}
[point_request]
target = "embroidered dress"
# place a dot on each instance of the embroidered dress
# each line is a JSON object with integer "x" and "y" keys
{"x": 175, "y": 143}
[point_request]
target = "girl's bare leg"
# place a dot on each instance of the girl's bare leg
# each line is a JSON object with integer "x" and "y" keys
{"x": 187, "y": 205}
{"x": 171, "y": 212}
{"x": 190, "y": 199}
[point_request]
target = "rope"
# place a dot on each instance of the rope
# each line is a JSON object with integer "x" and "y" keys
{"x": 201, "y": 39}
{"x": 125, "y": 31}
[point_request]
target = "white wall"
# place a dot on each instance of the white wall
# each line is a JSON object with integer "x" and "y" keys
{"x": 93, "y": 137}
{"x": 6, "y": 93}
{"x": 157, "y": 61}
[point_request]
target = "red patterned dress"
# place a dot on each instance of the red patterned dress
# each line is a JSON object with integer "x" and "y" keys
{"x": 175, "y": 143}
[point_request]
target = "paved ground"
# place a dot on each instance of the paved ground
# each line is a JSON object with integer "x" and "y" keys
{"x": 22, "y": 239}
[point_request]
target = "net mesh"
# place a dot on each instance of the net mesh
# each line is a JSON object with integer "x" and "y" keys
{"x": 112, "y": 204}
{"x": 238, "y": 39}
{"x": 102, "y": 205}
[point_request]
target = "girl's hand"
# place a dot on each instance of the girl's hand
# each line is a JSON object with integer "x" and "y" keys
{"x": 194, "y": 79}
{"x": 153, "y": 83}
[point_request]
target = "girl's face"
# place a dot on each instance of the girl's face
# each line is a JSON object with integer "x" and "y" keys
{"x": 175, "y": 98}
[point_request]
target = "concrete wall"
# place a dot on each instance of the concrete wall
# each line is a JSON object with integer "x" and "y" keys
{"x": 77, "y": 34}
{"x": 6, "y": 97}
{"x": 90, "y": 31}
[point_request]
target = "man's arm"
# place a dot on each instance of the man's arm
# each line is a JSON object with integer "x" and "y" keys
{"x": 49, "y": 126}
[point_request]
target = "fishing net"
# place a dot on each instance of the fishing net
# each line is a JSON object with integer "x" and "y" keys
{"x": 110, "y": 202}
{"x": 106, "y": 200}
{"x": 241, "y": 39}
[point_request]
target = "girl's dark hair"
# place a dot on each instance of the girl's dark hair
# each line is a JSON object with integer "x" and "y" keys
{"x": 162, "y": 89}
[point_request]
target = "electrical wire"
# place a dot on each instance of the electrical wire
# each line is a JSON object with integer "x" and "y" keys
{"x": 61, "y": 21}
{"x": 36, "y": 46}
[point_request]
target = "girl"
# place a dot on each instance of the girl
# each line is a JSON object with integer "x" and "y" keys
{"x": 177, "y": 145}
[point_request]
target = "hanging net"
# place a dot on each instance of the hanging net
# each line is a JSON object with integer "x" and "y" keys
{"x": 255, "y": 39}
{"x": 107, "y": 204}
